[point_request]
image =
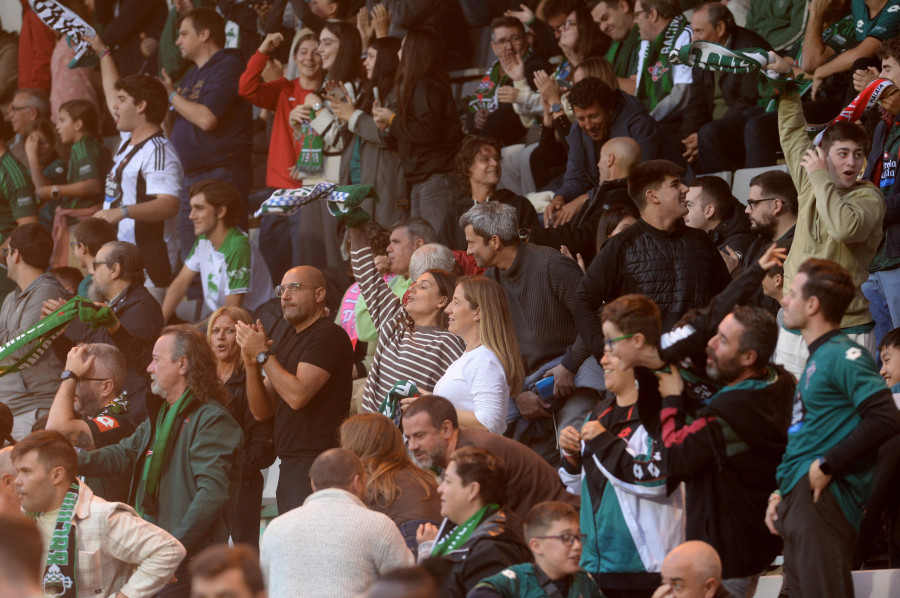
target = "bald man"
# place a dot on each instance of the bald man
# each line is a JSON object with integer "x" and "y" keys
{"x": 9, "y": 498}
{"x": 692, "y": 570}
{"x": 300, "y": 372}
{"x": 618, "y": 156}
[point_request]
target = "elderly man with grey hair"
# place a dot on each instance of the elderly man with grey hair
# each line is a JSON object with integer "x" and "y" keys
{"x": 433, "y": 256}
{"x": 540, "y": 284}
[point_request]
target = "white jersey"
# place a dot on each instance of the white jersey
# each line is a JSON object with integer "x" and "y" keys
{"x": 146, "y": 171}
{"x": 236, "y": 268}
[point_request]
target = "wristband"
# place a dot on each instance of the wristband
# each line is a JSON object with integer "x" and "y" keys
{"x": 172, "y": 95}
{"x": 774, "y": 495}
{"x": 393, "y": 116}
{"x": 103, "y": 53}
{"x": 125, "y": 212}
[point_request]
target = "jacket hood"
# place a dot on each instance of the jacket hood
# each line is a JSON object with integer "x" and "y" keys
{"x": 738, "y": 224}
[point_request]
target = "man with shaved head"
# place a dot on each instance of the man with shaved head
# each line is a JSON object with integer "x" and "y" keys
{"x": 692, "y": 570}
{"x": 300, "y": 372}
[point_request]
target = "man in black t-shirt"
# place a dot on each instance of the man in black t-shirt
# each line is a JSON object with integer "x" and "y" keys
{"x": 305, "y": 381}
{"x": 90, "y": 408}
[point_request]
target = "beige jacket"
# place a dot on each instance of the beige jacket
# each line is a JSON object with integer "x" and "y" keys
{"x": 833, "y": 224}
{"x": 120, "y": 552}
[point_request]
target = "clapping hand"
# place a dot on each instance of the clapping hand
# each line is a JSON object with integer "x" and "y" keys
{"x": 251, "y": 338}
{"x": 512, "y": 65}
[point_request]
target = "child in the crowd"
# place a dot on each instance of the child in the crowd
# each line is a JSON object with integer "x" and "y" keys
{"x": 889, "y": 350}
{"x": 555, "y": 540}
{"x": 79, "y": 125}
{"x": 44, "y": 163}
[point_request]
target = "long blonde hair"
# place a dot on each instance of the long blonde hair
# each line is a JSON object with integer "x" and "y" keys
{"x": 238, "y": 314}
{"x": 495, "y": 328}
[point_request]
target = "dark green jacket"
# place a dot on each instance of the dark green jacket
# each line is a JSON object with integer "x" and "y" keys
{"x": 200, "y": 479}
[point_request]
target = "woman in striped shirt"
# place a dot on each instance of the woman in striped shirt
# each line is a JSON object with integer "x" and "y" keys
{"x": 413, "y": 342}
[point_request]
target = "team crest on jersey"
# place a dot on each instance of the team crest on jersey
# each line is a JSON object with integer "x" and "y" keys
{"x": 657, "y": 71}
{"x": 810, "y": 370}
{"x": 106, "y": 423}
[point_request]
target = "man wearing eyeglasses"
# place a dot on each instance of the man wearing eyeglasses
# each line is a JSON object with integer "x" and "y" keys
{"x": 89, "y": 408}
{"x": 28, "y": 392}
{"x": 118, "y": 281}
{"x": 27, "y": 106}
{"x": 490, "y": 106}
{"x": 772, "y": 209}
{"x": 302, "y": 373}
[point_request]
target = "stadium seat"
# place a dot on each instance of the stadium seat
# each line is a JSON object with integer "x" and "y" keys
{"x": 740, "y": 186}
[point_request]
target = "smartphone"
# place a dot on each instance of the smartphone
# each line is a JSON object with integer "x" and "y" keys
{"x": 377, "y": 96}
{"x": 544, "y": 387}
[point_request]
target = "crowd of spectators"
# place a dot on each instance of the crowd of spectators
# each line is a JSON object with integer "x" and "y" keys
{"x": 554, "y": 353}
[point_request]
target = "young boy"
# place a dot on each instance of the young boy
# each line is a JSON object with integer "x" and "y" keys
{"x": 890, "y": 359}
{"x": 555, "y": 540}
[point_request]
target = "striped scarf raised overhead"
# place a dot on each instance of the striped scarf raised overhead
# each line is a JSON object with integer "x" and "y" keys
{"x": 715, "y": 57}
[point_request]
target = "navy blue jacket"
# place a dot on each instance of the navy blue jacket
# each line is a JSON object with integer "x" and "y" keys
{"x": 215, "y": 85}
{"x": 629, "y": 119}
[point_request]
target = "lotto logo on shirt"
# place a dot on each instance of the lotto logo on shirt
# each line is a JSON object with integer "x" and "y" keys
{"x": 106, "y": 423}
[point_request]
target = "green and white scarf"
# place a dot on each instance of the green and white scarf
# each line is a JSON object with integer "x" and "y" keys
{"x": 59, "y": 572}
{"x": 390, "y": 406}
{"x": 148, "y": 501}
{"x": 47, "y": 329}
{"x": 459, "y": 535}
{"x": 657, "y": 79}
{"x": 716, "y": 57}
{"x": 310, "y": 157}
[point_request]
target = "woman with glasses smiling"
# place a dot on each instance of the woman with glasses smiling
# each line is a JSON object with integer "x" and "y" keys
{"x": 623, "y": 489}
{"x": 326, "y": 142}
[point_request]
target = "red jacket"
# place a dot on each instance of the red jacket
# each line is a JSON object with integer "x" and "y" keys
{"x": 36, "y": 43}
{"x": 281, "y": 96}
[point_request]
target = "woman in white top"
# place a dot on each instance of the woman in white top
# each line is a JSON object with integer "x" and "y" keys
{"x": 478, "y": 383}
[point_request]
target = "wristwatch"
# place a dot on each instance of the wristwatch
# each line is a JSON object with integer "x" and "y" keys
{"x": 554, "y": 108}
{"x": 262, "y": 357}
{"x": 825, "y": 466}
{"x": 54, "y": 192}
{"x": 69, "y": 375}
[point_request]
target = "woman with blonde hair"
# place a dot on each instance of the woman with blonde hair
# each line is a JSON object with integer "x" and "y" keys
{"x": 259, "y": 449}
{"x": 478, "y": 383}
{"x": 395, "y": 485}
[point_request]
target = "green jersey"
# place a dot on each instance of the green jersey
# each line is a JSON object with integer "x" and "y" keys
{"x": 85, "y": 163}
{"x": 16, "y": 192}
{"x": 839, "y": 376}
{"x": 883, "y": 26}
{"x": 525, "y": 581}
